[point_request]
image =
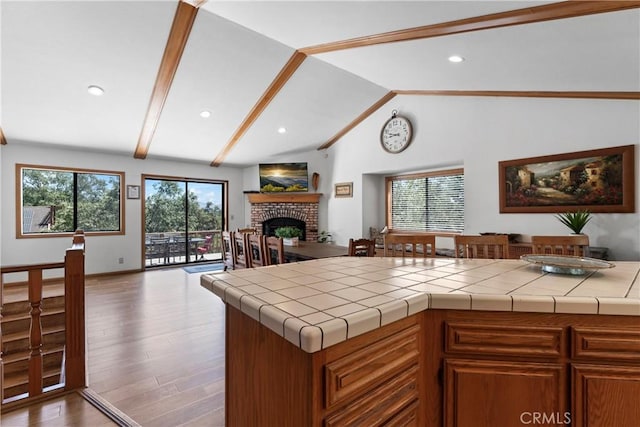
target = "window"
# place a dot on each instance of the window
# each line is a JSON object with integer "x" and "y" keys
{"x": 426, "y": 202}
{"x": 58, "y": 200}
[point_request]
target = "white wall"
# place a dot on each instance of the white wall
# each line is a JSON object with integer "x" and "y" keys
{"x": 476, "y": 133}
{"x": 102, "y": 252}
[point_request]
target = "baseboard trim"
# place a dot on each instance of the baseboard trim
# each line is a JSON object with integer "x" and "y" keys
{"x": 113, "y": 413}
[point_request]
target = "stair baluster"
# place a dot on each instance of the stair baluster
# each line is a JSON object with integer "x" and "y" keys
{"x": 35, "y": 333}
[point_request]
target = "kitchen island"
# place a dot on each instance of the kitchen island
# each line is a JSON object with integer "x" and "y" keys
{"x": 372, "y": 341}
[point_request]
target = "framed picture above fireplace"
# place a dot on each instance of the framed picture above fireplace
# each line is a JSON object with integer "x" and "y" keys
{"x": 283, "y": 177}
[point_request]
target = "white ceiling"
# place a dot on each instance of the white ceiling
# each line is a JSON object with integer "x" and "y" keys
{"x": 52, "y": 50}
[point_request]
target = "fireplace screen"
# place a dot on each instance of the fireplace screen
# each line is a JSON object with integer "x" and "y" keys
{"x": 269, "y": 226}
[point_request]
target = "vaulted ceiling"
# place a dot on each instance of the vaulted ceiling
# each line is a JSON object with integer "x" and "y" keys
{"x": 316, "y": 68}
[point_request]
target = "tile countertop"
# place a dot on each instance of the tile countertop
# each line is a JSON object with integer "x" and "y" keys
{"x": 319, "y": 303}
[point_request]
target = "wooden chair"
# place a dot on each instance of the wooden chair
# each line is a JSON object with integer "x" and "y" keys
{"x": 410, "y": 245}
{"x": 494, "y": 246}
{"x": 362, "y": 247}
{"x": 256, "y": 250}
{"x": 577, "y": 245}
{"x": 240, "y": 250}
{"x": 227, "y": 250}
{"x": 274, "y": 250}
{"x": 204, "y": 249}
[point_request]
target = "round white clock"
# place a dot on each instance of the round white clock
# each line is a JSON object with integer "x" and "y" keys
{"x": 396, "y": 134}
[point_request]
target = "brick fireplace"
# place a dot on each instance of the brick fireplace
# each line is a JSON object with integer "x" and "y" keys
{"x": 277, "y": 208}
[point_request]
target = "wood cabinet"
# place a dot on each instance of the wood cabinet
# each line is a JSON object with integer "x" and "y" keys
{"x": 606, "y": 390}
{"x": 370, "y": 380}
{"x": 440, "y": 367}
{"x": 493, "y": 393}
{"x": 499, "y": 391}
{"x": 512, "y": 369}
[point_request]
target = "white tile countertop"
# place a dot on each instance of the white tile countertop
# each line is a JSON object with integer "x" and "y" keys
{"x": 318, "y": 303}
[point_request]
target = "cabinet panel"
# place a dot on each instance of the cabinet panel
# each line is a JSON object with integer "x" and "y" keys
{"x": 598, "y": 343}
{"x": 489, "y": 394}
{"x": 504, "y": 340}
{"x": 605, "y": 396}
{"x": 351, "y": 375}
{"x": 388, "y": 404}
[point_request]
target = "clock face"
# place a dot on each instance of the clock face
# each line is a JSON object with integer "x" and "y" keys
{"x": 396, "y": 134}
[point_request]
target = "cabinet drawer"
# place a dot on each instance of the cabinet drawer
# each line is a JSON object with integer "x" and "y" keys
{"x": 349, "y": 376}
{"x": 407, "y": 417}
{"x": 504, "y": 340}
{"x": 393, "y": 403}
{"x": 597, "y": 343}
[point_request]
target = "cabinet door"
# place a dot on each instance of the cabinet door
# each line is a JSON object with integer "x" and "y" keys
{"x": 606, "y": 396}
{"x": 493, "y": 393}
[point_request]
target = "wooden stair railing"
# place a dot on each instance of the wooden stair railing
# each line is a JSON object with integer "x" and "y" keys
{"x": 73, "y": 366}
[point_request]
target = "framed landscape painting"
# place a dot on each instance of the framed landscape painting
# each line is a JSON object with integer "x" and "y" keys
{"x": 283, "y": 177}
{"x": 595, "y": 180}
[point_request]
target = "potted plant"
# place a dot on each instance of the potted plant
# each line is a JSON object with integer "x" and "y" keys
{"x": 290, "y": 235}
{"x": 575, "y": 220}
{"x": 324, "y": 237}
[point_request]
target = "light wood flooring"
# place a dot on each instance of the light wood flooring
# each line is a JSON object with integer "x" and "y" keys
{"x": 155, "y": 352}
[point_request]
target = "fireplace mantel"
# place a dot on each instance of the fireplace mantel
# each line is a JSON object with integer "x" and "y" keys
{"x": 284, "y": 197}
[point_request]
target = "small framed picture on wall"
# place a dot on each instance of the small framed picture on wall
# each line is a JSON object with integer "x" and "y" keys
{"x": 133, "y": 191}
{"x": 344, "y": 189}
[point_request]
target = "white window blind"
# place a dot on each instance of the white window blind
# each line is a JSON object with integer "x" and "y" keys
{"x": 430, "y": 202}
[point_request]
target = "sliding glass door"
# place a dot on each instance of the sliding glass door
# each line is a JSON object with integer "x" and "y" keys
{"x": 182, "y": 220}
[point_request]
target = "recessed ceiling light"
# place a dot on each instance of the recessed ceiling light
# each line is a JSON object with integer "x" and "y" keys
{"x": 456, "y": 58}
{"x": 95, "y": 90}
{"x": 282, "y": 130}
{"x": 205, "y": 114}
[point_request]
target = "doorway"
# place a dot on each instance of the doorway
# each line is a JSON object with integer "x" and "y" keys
{"x": 183, "y": 220}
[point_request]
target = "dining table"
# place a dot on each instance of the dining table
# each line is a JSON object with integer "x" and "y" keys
{"x": 307, "y": 250}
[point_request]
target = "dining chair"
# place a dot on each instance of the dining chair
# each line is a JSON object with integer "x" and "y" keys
{"x": 240, "y": 258}
{"x": 159, "y": 248}
{"x": 274, "y": 250}
{"x": 205, "y": 247}
{"x": 256, "y": 250}
{"x": 577, "y": 245}
{"x": 410, "y": 245}
{"x": 227, "y": 250}
{"x": 362, "y": 247}
{"x": 177, "y": 247}
{"x": 493, "y": 246}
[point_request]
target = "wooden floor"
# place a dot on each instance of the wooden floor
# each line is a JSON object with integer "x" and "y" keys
{"x": 155, "y": 352}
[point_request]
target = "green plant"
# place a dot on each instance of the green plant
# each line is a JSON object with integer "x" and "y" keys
{"x": 324, "y": 237}
{"x": 575, "y": 220}
{"x": 288, "y": 232}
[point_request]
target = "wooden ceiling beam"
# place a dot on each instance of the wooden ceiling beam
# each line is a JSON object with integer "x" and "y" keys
{"x": 276, "y": 85}
{"x": 548, "y": 12}
{"x": 369, "y": 111}
{"x": 524, "y": 94}
{"x": 178, "y": 36}
{"x": 495, "y": 93}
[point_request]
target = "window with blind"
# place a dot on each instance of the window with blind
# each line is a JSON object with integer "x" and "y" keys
{"x": 426, "y": 202}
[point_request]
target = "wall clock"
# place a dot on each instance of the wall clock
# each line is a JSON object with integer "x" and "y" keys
{"x": 396, "y": 133}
